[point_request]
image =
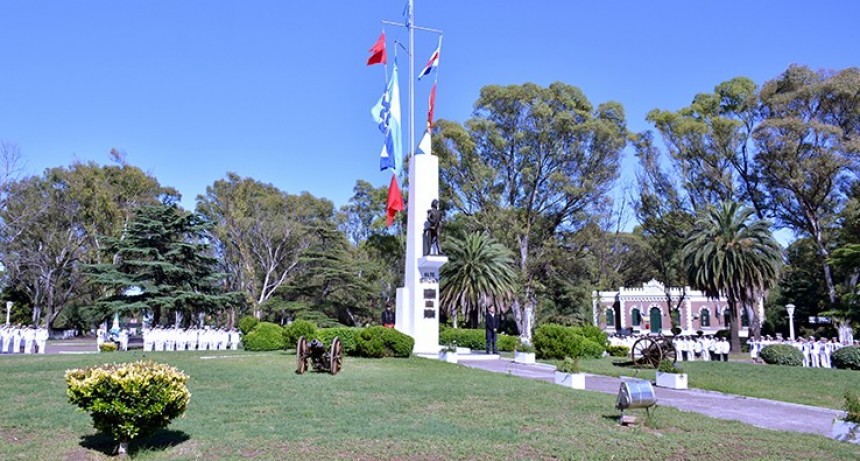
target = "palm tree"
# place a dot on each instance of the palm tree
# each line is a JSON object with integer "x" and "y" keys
{"x": 479, "y": 270}
{"x": 731, "y": 255}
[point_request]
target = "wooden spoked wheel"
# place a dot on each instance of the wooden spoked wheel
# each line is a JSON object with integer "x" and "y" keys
{"x": 646, "y": 351}
{"x": 302, "y": 356}
{"x": 336, "y": 355}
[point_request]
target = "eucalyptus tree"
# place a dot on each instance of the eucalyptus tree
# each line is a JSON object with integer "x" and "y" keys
{"x": 480, "y": 270}
{"x": 730, "y": 255}
{"x": 806, "y": 148}
{"x": 261, "y": 233}
{"x": 530, "y": 163}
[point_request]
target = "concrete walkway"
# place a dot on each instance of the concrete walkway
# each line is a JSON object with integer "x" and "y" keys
{"x": 768, "y": 414}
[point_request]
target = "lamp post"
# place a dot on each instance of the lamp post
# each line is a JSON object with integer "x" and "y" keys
{"x": 8, "y": 311}
{"x": 790, "y": 309}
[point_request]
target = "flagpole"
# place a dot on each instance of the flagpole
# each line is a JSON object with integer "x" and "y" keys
{"x": 409, "y": 25}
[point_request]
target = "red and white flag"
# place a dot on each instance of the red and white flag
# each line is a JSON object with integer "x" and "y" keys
{"x": 433, "y": 63}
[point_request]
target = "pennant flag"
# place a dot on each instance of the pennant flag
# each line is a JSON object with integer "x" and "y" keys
{"x": 395, "y": 201}
{"x": 424, "y": 145}
{"x": 433, "y": 63}
{"x": 378, "y": 50}
{"x": 386, "y": 113}
{"x": 431, "y": 107}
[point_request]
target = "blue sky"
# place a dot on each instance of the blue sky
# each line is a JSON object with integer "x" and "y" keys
{"x": 279, "y": 90}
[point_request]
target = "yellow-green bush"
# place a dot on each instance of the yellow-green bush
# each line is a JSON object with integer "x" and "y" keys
{"x": 107, "y": 347}
{"x": 129, "y": 400}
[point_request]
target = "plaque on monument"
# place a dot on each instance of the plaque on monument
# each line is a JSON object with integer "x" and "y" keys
{"x": 429, "y": 313}
{"x": 428, "y": 303}
{"x": 430, "y": 293}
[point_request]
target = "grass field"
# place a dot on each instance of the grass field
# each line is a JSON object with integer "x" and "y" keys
{"x": 255, "y": 406}
{"x": 822, "y": 387}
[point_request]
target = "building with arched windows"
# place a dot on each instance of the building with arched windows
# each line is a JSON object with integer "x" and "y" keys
{"x": 653, "y": 308}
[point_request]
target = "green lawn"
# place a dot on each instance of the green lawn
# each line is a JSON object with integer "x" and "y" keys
{"x": 254, "y": 405}
{"x": 822, "y": 387}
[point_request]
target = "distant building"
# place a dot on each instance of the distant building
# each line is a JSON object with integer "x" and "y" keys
{"x": 647, "y": 310}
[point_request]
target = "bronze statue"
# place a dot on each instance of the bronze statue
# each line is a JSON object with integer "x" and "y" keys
{"x": 433, "y": 230}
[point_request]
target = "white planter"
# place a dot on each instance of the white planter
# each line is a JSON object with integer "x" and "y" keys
{"x": 524, "y": 357}
{"x": 450, "y": 357}
{"x": 571, "y": 380}
{"x": 845, "y": 431}
{"x": 672, "y": 380}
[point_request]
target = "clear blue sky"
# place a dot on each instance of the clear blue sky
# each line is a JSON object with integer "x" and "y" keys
{"x": 279, "y": 90}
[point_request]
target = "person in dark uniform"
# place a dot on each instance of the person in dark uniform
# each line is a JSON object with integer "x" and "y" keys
{"x": 388, "y": 316}
{"x": 491, "y": 323}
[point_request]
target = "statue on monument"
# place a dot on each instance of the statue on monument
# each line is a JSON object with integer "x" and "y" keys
{"x": 432, "y": 230}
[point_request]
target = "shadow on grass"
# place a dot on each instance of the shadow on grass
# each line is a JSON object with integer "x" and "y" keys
{"x": 162, "y": 439}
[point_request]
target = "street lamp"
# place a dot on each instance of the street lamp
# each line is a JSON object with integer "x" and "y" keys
{"x": 790, "y": 309}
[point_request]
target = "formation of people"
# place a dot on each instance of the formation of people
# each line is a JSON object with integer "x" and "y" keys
{"x": 191, "y": 339}
{"x": 816, "y": 352}
{"x": 23, "y": 340}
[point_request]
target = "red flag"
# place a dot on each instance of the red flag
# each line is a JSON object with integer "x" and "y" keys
{"x": 378, "y": 50}
{"x": 431, "y": 107}
{"x": 395, "y": 201}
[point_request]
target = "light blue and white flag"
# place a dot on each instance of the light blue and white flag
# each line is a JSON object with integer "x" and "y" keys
{"x": 386, "y": 113}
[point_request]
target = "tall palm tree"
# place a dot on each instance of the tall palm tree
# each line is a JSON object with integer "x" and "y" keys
{"x": 480, "y": 270}
{"x": 731, "y": 255}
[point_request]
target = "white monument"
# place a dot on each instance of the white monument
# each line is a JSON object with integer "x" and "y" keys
{"x": 418, "y": 300}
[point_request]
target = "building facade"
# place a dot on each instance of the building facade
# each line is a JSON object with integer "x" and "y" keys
{"x": 649, "y": 309}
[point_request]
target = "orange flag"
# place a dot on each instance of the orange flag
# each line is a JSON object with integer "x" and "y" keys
{"x": 378, "y": 50}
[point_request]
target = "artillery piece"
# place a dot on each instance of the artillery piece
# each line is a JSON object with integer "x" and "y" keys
{"x": 321, "y": 359}
{"x": 653, "y": 350}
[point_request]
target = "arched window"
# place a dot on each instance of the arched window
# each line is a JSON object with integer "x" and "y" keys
{"x": 635, "y": 317}
{"x": 676, "y": 317}
{"x": 745, "y": 318}
{"x": 610, "y": 317}
{"x": 705, "y": 317}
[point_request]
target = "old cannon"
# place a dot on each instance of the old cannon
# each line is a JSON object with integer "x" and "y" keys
{"x": 653, "y": 350}
{"x": 321, "y": 359}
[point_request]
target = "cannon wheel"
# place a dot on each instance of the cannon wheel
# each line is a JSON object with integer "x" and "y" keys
{"x": 302, "y": 356}
{"x": 668, "y": 350}
{"x": 646, "y": 351}
{"x": 336, "y": 355}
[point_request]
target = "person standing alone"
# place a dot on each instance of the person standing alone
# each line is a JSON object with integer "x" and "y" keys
{"x": 388, "y": 316}
{"x": 491, "y": 323}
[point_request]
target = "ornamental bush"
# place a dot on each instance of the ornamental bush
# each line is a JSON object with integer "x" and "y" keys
{"x": 847, "y": 358}
{"x": 593, "y": 333}
{"x": 377, "y": 342}
{"x": 553, "y": 341}
{"x": 107, "y": 347}
{"x": 618, "y": 351}
{"x": 476, "y": 338}
{"x": 345, "y": 334}
{"x": 247, "y": 323}
{"x": 129, "y": 400}
{"x": 782, "y": 354}
{"x": 296, "y": 330}
{"x": 266, "y": 336}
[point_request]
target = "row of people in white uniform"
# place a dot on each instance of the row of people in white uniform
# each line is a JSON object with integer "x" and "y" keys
{"x": 689, "y": 348}
{"x": 816, "y": 353}
{"x": 19, "y": 339}
{"x": 178, "y": 339}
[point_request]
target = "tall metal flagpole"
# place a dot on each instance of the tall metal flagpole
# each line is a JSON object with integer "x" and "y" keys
{"x": 418, "y": 299}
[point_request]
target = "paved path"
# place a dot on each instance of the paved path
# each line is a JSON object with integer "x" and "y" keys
{"x": 762, "y": 413}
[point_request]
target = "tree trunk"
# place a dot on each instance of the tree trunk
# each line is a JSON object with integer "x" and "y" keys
{"x": 735, "y": 325}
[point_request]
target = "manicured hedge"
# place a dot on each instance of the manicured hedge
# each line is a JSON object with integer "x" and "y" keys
{"x": 476, "y": 339}
{"x": 296, "y": 330}
{"x": 847, "y": 358}
{"x": 265, "y": 336}
{"x": 554, "y": 341}
{"x": 346, "y": 335}
{"x": 378, "y": 342}
{"x": 247, "y": 323}
{"x": 618, "y": 351}
{"x": 782, "y": 354}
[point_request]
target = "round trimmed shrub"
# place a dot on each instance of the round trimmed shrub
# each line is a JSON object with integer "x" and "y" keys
{"x": 505, "y": 343}
{"x": 847, "y": 358}
{"x": 593, "y": 333}
{"x": 247, "y": 323}
{"x": 377, "y": 342}
{"x": 296, "y": 330}
{"x": 129, "y": 400}
{"x": 266, "y": 336}
{"x": 618, "y": 351}
{"x": 782, "y": 354}
{"x": 107, "y": 347}
{"x": 345, "y": 334}
{"x": 553, "y": 341}
{"x": 586, "y": 348}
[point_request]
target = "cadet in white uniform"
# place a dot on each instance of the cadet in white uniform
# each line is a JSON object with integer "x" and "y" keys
{"x": 41, "y": 339}
{"x": 814, "y": 353}
{"x": 5, "y": 339}
{"x": 16, "y": 340}
{"x": 235, "y": 339}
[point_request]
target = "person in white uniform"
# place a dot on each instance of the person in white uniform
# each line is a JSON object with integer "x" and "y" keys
{"x": 41, "y": 339}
